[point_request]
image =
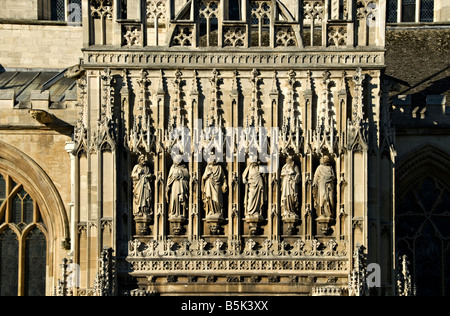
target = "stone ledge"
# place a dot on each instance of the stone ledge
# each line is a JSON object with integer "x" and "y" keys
{"x": 200, "y": 59}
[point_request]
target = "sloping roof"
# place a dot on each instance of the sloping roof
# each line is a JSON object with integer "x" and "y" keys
{"x": 419, "y": 59}
{"x": 25, "y": 82}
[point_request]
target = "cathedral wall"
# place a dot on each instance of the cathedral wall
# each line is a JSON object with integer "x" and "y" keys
{"x": 46, "y": 148}
{"x": 442, "y": 11}
{"x": 19, "y": 9}
{"x": 44, "y": 143}
{"x": 40, "y": 46}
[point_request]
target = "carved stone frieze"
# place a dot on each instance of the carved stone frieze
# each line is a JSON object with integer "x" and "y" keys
{"x": 266, "y": 249}
{"x": 175, "y": 59}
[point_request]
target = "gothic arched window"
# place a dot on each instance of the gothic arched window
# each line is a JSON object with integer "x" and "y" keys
{"x": 423, "y": 233}
{"x": 23, "y": 242}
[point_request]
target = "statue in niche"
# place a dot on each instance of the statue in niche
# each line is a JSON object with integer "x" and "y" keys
{"x": 214, "y": 185}
{"x": 142, "y": 191}
{"x": 142, "y": 178}
{"x": 255, "y": 195}
{"x": 177, "y": 193}
{"x": 324, "y": 193}
{"x": 290, "y": 180}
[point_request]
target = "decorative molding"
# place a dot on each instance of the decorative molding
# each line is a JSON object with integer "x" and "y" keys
{"x": 198, "y": 59}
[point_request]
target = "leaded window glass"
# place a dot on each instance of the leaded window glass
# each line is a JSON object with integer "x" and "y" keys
{"x": 9, "y": 263}
{"x": 35, "y": 262}
{"x": 391, "y": 15}
{"x": 408, "y": 10}
{"x": 16, "y": 210}
{"x": 426, "y": 10}
{"x": 2, "y": 199}
{"x": 22, "y": 208}
{"x": 58, "y": 10}
{"x": 21, "y": 232}
{"x": 2, "y": 188}
{"x": 423, "y": 234}
{"x": 234, "y": 10}
{"x": 27, "y": 210}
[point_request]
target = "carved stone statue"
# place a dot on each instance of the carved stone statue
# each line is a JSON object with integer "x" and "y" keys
{"x": 290, "y": 180}
{"x": 142, "y": 190}
{"x": 214, "y": 184}
{"x": 142, "y": 178}
{"x": 177, "y": 193}
{"x": 255, "y": 193}
{"x": 324, "y": 193}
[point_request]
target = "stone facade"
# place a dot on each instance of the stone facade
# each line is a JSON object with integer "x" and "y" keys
{"x": 216, "y": 146}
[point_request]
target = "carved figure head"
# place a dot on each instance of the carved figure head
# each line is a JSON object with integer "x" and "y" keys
{"x": 326, "y": 160}
{"x": 177, "y": 160}
{"x": 142, "y": 160}
{"x": 289, "y": 160}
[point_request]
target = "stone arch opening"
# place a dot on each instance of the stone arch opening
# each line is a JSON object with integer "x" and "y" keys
{"x": 33, "y": 216}
{"x": 422, "y": 219}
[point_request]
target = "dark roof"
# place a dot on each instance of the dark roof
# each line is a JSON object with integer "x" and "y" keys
{"x": 24, "y": 82}
{"x": 419, "y": 61}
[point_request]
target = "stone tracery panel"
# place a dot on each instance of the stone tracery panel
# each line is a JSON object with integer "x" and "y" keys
{"x": 279, "y": 218}
{"x": 300, "y": 221}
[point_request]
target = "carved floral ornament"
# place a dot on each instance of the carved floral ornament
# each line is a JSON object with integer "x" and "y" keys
{"x": 156, "y": 9}
{"x": 235, "y": 249}
{"x": 102, "y": 9}
{"x": 313, "y": 10}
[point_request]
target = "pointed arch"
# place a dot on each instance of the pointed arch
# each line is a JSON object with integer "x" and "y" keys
{"x": 422, "y": 218}
{"x": 426, "y": 160}
{"x": 52, "y": 221}
{"x": 39, "y": 185}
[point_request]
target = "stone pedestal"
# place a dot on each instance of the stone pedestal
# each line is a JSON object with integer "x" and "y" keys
{"x": 215, "y": 222}
{"x": 143, "y": 225}
{"x": 254, "y": 222}
{"x": 324, "y": 224}
{"x": 177, "y": 224}
{"x": 291, "y": 221}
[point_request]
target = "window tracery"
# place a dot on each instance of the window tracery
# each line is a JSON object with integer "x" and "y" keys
{"x": 23, "y": 242}
{"x": 423, "y": 234}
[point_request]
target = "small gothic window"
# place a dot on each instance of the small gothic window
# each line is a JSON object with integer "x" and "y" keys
{"x": 391, "y": 14}
{"x": 234, "y": 10}
{"x": 426, "y": 10}
{"x": 21, "y": 232}
{"x": 261, "y": 15}
{"x": 58, "y": 10}
{"x": 409, "y": 11}
{"x": 208, "y": 23}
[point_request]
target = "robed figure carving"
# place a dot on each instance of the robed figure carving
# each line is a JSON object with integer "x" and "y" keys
{"x": 290, "y": 180}
{"x": 142, "y": 188}
{"x": 142, "y": 191}
{"x": 214, "y": 184}
{"x": 177, "y": 191}
{"x": 324, "y": 190}
{"x": 255, "y": 192}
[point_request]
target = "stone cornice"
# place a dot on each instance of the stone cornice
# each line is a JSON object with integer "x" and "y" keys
{"x": 329, "y": 59}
